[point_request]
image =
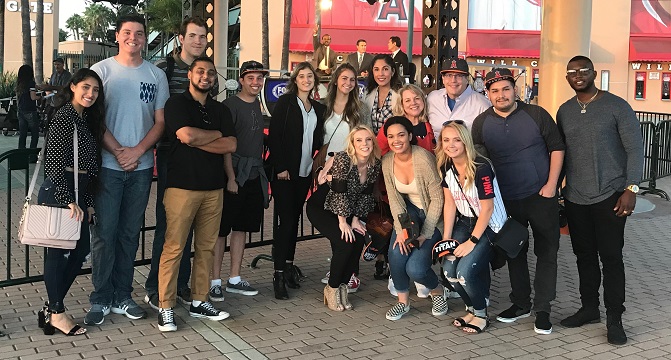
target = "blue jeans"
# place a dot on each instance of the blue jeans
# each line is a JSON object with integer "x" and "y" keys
{"x": 120, "y": 205}
{"x": 29, "y": 121}
{"x": 469, "y": 275}
{"x": 151, "y": 285}
{"x": 415, "y": 266}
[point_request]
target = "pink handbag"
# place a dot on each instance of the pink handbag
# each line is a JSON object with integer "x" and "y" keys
{"x": 50, "y": 226}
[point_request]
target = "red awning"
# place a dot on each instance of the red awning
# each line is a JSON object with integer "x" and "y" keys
{"x": 343, "y": 40}
{"x": 503, "y": 43}
{"x": 649, "y": 48}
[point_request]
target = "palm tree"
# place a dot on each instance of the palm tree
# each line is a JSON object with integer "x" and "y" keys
{"x": 97, "y": 19}
{"x": 75, "y": 24}
{"x": 285, "y": 35}
{"x": 26, "y": 45}
{"x": 2, "y": 34}
{"x": 165, "y": 17}
{"x": 62, "y": 35}
{"x": 39, "y": 42}
{"x": 265, "y": 58}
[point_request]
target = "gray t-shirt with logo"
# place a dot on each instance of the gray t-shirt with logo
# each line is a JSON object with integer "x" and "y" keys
{"x": 248, "y": 122}
{"x": 132, "y": 95}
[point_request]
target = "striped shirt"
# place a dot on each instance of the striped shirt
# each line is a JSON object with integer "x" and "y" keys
{"x": 485, "y": 186}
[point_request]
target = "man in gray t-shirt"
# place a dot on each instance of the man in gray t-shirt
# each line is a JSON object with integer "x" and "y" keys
{"x": 602, "y": 178}
{"x": 247, "y": 187}
{"x": 135, "y": 95}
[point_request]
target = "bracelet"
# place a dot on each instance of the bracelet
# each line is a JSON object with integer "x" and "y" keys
{"x": 474, "y": 239}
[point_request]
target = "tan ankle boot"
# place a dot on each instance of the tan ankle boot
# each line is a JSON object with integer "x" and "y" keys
{"x": 332, "y": 298}
{"x": 343, "y": 297}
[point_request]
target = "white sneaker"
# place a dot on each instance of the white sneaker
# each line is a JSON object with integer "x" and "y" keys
{"x": 422, "y": 291}
{"x": 392, "y": 289}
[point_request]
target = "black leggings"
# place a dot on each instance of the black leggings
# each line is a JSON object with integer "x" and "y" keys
{"x": 61, "y": 266}
{"x": 289, "y": 198}
{"x": 345, "y": 258}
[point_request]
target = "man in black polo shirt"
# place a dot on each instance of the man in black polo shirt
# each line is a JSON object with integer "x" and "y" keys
{"x": 201, "y": 132}
{"x": 527, "y": 151}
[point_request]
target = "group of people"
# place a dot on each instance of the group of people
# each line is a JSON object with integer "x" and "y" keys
{"x": 325, "y": 60}
{"x": 454, "y": 164}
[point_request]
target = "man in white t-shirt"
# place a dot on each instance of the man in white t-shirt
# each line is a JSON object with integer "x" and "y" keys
{"x": 135, "y": 94}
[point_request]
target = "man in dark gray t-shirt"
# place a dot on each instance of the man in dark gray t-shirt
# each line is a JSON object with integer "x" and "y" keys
{"x": 603, "y": 165}
{"x": 247, "y": 186}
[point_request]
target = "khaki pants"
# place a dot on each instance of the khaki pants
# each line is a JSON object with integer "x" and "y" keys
{"x": 183, "y": 208}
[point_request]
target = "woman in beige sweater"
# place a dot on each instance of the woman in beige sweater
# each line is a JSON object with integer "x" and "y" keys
{"x": 414, "y": 189}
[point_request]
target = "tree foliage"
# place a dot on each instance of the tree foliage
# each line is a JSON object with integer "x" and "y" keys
{"x": 76, "y": 25}
{"x": 62, "y": 35}
{"x": 97, "y": 20}
{"x": 165, "y": 16}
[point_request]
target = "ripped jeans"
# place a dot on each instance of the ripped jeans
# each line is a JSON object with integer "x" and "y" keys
{"x": 469, "y": 275}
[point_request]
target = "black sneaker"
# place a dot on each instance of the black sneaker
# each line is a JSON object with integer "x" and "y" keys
{"x": 513, "y": 313}
{"x": 152, "y": 300}
{"x": 166, "y": 320}
{"x": 381, "y": 270}
{"x": 542, "y": 325}
{"x": 184, "y": 296}
{"x": 216, "y": 293}
{"x": 207, "y": 311}
{"x": 242, "y": 287}
{"x": 582, "y": 317}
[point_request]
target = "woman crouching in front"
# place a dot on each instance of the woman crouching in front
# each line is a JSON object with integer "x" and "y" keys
{"x": 413, "y": 188}
{"x": 336, "y": 209}
{"x": 473, "y": 212}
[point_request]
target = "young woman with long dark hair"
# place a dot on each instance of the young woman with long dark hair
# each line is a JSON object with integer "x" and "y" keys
{"x": 26, "y": 96}
{"x": 296, "y": 132}
{"x": 82, "y": 111}
{"x": 381, "y": 90}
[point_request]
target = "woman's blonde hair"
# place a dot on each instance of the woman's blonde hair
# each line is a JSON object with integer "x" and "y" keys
{"x": 397, "y": 107}
{"x": 445, "y": 161}
{"x": 351, "y": 152}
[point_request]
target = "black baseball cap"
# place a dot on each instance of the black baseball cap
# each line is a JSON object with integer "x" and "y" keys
{"x": 456, "y": 66}
{"x": 498, "y": 74}
{"x": 59, "y": 60}
{"x": 252, "y": 66}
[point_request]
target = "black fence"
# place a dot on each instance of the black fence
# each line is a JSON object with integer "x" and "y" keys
{"x": 656, "y": 131}
{"x": 24, "y": 264}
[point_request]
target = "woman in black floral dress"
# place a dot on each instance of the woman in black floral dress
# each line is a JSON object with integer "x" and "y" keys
{"x": 336, "y": 208}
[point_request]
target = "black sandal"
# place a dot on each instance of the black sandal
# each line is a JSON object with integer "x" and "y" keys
{"x": 459, "y": 322}
{"x": 49, "y": 329}
{"x": 477, "y": 329}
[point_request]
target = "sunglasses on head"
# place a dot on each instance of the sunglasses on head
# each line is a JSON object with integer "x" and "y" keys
{"x": 448, "y": 122}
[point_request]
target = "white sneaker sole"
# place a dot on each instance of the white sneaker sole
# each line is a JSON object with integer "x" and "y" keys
{"x": 509, "y": 320}
{"x": 241, "y": 292}
{"x": 123, "y": 312}
{"x": 166, "y": 328}
{"x": 216, "y": 299}
{"x": 223, "y": 316}
{"x": 542, "y": 331}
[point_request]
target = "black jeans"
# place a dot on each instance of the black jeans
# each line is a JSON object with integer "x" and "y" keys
{"x": 289, "y": 199}
{"x": 596, "y": 233}
{"x": 345, "y": 258}
{"x": 542, "y": 214}
{"x": 61, "y": 266}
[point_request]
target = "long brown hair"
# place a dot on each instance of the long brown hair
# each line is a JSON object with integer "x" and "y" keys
{"x": 352, "y": 112}
{"x": 292, "y": 87}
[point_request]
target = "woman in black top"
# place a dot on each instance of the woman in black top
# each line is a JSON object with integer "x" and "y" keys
{"x": 336, "y": 210}
{"x": 83, "y": 111}
{"x": 26, "y": 97}
{"x": 296, "y": 132}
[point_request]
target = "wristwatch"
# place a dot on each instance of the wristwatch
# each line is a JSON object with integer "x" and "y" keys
{"x": 474, "y": 239}
{"x": 632, "y": 188}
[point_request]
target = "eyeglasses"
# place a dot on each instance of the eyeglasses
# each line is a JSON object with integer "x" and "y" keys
{"x": 448, "y": 122}
{"x": 453, "y": 76}
{"x": 582, "y": 72}
{"x": 203, "y": 113}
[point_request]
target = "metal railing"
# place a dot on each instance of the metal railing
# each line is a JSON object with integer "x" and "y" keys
{"x": 24, "y": 264}
{"x": 656, "y": 131}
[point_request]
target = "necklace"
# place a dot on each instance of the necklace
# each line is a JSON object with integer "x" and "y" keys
{"x": 584, "y": 105}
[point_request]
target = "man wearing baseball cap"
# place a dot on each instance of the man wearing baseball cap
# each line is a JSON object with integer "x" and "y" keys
{"x": 246, "y": 192}
{"x": 57, "y": 81}
{"x": 458, "y": 101}
{"x": 527, "y": 152}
